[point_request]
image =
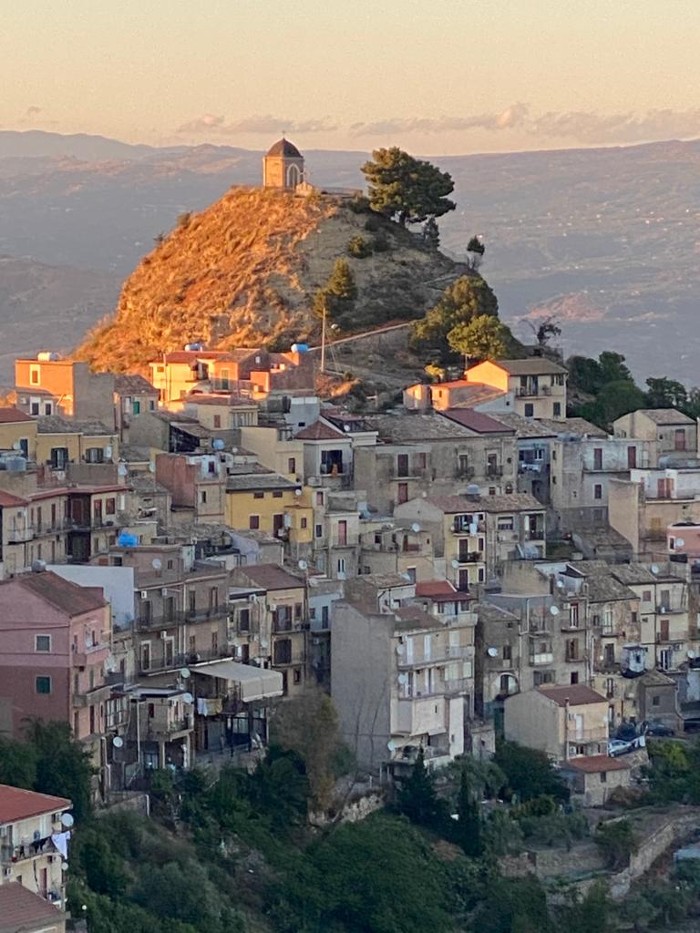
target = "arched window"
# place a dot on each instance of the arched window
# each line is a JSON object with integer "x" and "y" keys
{"x": 293, "y": 176}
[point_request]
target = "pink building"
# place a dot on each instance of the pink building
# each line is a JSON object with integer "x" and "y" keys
{"x": 55, "y": 638}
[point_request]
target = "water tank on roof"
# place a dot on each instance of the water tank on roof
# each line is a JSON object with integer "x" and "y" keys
{"x": 47, "y": 357}
{"x": 127, "y": 540}
{"x": 194, "y": 346}
{"x": 300, "y": 348}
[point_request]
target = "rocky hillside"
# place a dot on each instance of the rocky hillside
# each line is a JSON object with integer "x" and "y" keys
{"x": 245, "y": 270}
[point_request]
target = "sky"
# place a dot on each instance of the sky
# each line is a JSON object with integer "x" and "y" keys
{"x": 432, "y": 76}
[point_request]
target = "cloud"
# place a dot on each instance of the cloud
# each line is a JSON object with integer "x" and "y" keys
{"x": 255, "y": 125}
{"x": 588, "y": 127}
{"x": 511, "y": 118}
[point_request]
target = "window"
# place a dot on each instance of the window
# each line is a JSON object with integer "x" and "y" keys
{"x": 254, "y": 522}
{"x": 34, "y": 375}
{"x": 646, "y": 596}
{"x": 507, "y": 653}
{"x": 556, "y": 409}
{"x": 42, "y": 643}
{"x": 574, "y": 677}
{"x": 217, "y": 421}
{"x": 42, "y": 685}
{"x": 303, "y": 523}
{"x": 291, "y": 465}
{"x": 319, "y": 498}
{"x": 111, "y": 506}
{"x": 192, "y": 600}
{"x": 282, "y": 652}
{"x": 203, "y": 496}
{"x": 59, "y": 458}
{"x": 597, "y": 491}
{"x": 34, "y": 408}
{"x": 402, "y": 493}
{"x": 656, "y": 701}
{"x": 529, "y": 409}
{"x": 597, "y": 458}
{"x": 411, "y": 572}
{"x": 244, "y": 620}
{"x": 297, "y": 675}
{"x": 603, "y": 777}
{"x": 341, "y": 565}
{"x": 214, "y": 642}
{"x": 258, "y": 495}
{"x": 319, "y": 531}
{"x": 277, "y": 494}
{"x": 136, "y": 407}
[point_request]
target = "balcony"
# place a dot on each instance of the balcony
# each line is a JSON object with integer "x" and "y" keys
{"x": 494, "y": 472}
{"x": 92, "y": 654}
{"x": 458, "y": 686}
{"x": 90, "y": 697}
{"x": 461, "y": 526}
{"x": 168, "y": 620}
{"x": 541, "y": 658}
{"x": 529, "y": 391}
{"x": 169, "y": 729}
{"x": 470, "y": 557}
{"x": 440, "y": 656}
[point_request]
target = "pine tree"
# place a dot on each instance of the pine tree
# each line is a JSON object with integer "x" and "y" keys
{"x": 417, "y": 798}
{"x": 469, "y": 820}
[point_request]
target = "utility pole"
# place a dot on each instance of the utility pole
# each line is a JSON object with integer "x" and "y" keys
{"x": 323, "y": 337}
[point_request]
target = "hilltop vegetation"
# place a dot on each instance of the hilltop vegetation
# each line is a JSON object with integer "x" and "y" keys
{"x": 248, "y": 270}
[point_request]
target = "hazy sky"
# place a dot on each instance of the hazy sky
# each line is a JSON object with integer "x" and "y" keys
{"x": 433, "y": 76}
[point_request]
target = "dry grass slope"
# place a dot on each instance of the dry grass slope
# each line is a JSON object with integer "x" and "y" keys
{"x": 244, "y": 272}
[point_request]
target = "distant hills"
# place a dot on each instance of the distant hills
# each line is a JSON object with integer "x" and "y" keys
{"x": 606, "y": 239}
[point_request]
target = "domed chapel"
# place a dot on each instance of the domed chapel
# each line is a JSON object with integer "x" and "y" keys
{"x": 283, "y": 166}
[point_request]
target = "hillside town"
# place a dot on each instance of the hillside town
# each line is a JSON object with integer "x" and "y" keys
{"x": 186, "y": 549}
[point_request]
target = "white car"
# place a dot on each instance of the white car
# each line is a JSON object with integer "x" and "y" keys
{"x": 618, "y": 747}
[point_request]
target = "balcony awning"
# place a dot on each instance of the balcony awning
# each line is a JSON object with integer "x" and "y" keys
{"x": 254, "y": 683}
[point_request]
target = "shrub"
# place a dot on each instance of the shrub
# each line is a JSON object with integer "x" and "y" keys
{"x": 372, "y": 224}
{"x": 380, "y": 243}
{"x": 617, "y": 841}
{"x": 359, "y": 247}
{"x": 359, "y": 204}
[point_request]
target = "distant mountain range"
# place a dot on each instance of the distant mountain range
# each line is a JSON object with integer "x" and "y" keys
{"x": 607, "y": 240}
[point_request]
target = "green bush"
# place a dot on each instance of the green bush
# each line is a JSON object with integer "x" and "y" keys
{"x": 617, "y": 841}
{"x": 380, "y": 243}
{"x": 359, "y": 247}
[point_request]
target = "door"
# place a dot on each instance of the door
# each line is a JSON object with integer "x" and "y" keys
{"x": 402, "y": 465}
{"x": 631, "y": 458}
{"x": 277, "y": 524}
{"x": 342, "y": 533}
{"x": 578, "y": 726}
{"x": 402, "y": 493}
{"x": 664, "y": 630}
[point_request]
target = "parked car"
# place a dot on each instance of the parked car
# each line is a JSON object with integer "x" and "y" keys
{"x": 656, "y": 727}
{"x": 617, "y": 747}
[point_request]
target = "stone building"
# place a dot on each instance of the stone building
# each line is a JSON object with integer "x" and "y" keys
{"x": 283, "y": 166}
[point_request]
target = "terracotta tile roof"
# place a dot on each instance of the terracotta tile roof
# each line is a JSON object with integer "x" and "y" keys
{"x": 531, "y": 367}
{"x": 8, "y": 500}
{"x": 596, "y": 764}
{"x": 452, "y": 505}
{"x": 21, "y": 909}
{"x": 576, "y": 694}
{"x": 665, "y": 416}
{"x": 438, "y": 590}
{"x": 318, "y": 431}
{"x": 271, "y": 577}
{"x": 476, "y": 421}
{"x": 13, "y": 415}
{"x": 62, "y": 594}
{"x": 133, "y": 384}
{"x": 16, "y": 803}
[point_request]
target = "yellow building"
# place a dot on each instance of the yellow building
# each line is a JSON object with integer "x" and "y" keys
{"x": 265, "y": 501}
{"x": 537, "y": 385}
{"x": 18, "y": 433}
{"x": 60, "y": 442}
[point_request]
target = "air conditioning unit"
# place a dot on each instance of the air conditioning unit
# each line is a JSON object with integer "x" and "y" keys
{"x": 164, "y": 591}
{"x": 144, "y": 594}
{"x": 163, "y": 635}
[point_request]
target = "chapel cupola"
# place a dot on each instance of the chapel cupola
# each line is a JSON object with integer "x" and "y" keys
{"x": 283, "y": 166}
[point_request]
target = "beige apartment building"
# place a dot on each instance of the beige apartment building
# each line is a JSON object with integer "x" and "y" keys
{"x": 565, "y": 722}
{"x": 402, "y": 676}
{"x": 537, "y": 385}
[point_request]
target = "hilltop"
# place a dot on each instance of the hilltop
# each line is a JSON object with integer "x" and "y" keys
{"x": 245, "y": 270}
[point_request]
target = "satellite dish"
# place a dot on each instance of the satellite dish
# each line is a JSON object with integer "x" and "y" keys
{"x": 492, "y": 652}
{"x": 400, "y": 649}
{"x": 218, "y": 444}
{"x": 157, "y": 563}
{"x": 151, "y": 467}
{"x": 560, "y": 584}
{"x": 122, "y": 470}
{"x": 67, "y": 820}
{"x": 553, "y": 611}
{"x": 188, "y": 698}
{"x": 680, "y": 542}
{"x": 16, "y": 446}
{"x": 264, "y": 643}
{"x": 415, "y": 528}
{"x": 302, "y": 565}
{"x": 391, "y": 745}
{"x": 108, "y": 452}
{"x": 455, "y": 564}
{"x": 297, "y": 492}
{"x": 184, "y": 673}
{"x": 403, "y": 679}
{"x": 117, "y": 741}
{"x": 473, "y": 490}
{"x": 654, "y": 568}
{"x": 691, "y": 655}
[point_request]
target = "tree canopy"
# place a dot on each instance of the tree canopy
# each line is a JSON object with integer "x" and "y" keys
{"x": 405, "y": 188}
{"x": 483, "y": 338}
{"x": 467, "y": 298}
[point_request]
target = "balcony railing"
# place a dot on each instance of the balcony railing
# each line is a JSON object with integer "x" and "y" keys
{"x": 494, "y": 472}
{"x": 177, "y": 617}
{"x": 541, "y": 657}
{"x": 440, "y": 656}
{"x": 470, "y": 557}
